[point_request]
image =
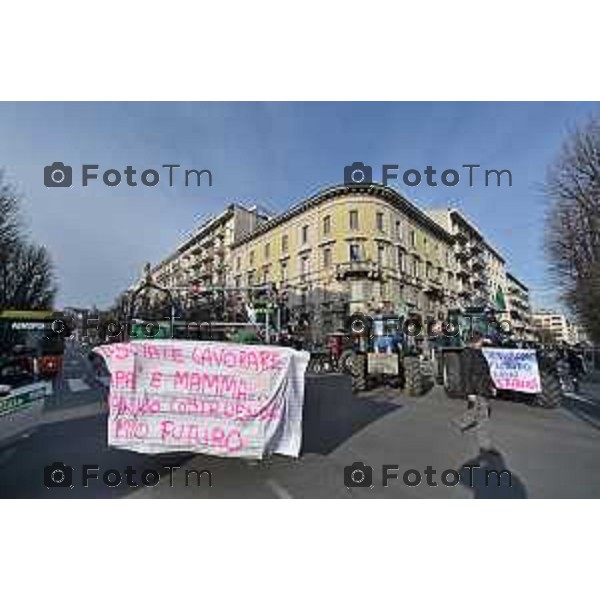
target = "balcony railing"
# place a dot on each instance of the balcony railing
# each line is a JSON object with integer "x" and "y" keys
{"x": 478, "y": 264}
{"x": 461, "y": 251}
{"x": 357, "y": 268}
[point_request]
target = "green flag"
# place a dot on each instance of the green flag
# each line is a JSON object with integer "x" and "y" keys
{"x": 500, "y": 301}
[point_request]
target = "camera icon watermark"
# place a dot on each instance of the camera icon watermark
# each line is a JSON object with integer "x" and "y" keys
{"x": 358, "y": 475}
{"x": 58, "y": 175}
{"x": 58, "y": 475}
{"x": 358, "y": 174}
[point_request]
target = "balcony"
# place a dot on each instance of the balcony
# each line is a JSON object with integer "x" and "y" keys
{"x": 460, "y": 234}
{"x": 358, "y": 268}
{"x": 461, "y": 251}
{"x": 478, "y": 264}
{"x": 463, "y": 272}
{"x": 476, "y": 248}
{"x": 433, "y": 287}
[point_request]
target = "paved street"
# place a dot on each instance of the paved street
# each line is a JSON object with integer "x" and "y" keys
{"x": 550, "y": 453}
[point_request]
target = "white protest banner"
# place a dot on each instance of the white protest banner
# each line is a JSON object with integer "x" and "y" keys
{"x": 514, "y": 369}
{"x": 207, "y": 397}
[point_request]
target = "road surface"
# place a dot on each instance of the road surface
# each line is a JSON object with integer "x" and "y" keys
{"x": 549, "y": 453}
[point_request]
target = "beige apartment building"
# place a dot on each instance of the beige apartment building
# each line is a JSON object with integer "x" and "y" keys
{"x": 351, "y": 249}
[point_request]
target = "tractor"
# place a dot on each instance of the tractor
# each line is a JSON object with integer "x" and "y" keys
{"x": 457, "y": 330}
{"x": 377, "y": 353}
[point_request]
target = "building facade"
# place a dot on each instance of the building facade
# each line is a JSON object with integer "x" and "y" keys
{"x": 554, "y": 322}
{"x": 200, "y": 262}
{"x": 480, "y": 268}
{"x": 519, "y": 307}
{"x": 554, "y": 326}
{"x": 348, "y": 250}
{"x": 345, "y": 250}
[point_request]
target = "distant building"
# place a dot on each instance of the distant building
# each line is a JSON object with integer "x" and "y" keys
{"x": 555, "y": 323}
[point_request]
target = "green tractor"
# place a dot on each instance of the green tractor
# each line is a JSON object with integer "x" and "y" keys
{"x": 456, "y": 332}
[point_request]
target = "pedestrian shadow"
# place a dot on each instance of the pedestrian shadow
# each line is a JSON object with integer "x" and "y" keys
{"x": 333, "y": 414}
{"x": 487, "y": 476}
{"x": 583, "y": 408}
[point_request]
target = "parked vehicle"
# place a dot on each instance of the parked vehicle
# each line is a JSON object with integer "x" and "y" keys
{"x": 35, "y": 331}
{"x": 22, "y": 396}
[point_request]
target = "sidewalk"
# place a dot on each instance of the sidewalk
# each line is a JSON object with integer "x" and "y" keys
{"x": 83, "y": 411}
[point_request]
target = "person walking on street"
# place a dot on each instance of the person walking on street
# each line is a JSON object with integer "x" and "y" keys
{"x": 576, "y": 367}
{"x": 479, "y": 389}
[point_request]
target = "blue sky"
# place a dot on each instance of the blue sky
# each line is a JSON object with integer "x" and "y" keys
{"x": 273, "y": 154}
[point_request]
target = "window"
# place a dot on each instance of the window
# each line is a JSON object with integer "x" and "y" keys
{"x": 425, "y": 242}
{"x": 251, "y": 279}
{"x": 327, "y": 257}
{"x": 284, "y": 243}
{"x": 252, "y": 258}
{"x": 380, "y": 255}
{"x": 354, "y": 219}
{"x": 399, "y": 235}
{"x": 401, "y": 260}
{"x": 327, "y": 225}
{"x": 238, "y": 281}
{"x": 266, "y": 275}
{"x": 428, "y": 270}
{"x": 267, "y": 251}
{"x": 354, "y": 252}
{"x": 304, "y": 266}
{"x": 413, "y": 239}
{"x": 238, "y": 263}
{"x": 415, "y": 267}
{"x": 379, "y": 221}
{"x": 284, "y": 270}
{"x": 304, "y": 234}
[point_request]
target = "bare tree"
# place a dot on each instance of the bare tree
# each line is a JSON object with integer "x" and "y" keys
{"x": 26, "y": 274}
{"x": 573, "y": 224}
{"x": 10, "y": 224}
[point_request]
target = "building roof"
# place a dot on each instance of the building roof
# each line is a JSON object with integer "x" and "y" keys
{"x": 204, "y": 229}
{"x": 377, "y": 190}
{"x": 517, "y": 281}
{"x": 454, "y": 213}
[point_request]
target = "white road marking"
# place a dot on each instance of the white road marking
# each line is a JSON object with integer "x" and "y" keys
{"x": 574, "y": 396}
{"x": 278, "y": 490}
{"x": 77, "y": 385}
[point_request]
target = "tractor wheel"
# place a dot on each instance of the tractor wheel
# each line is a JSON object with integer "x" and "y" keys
{"x": 359, "y": 372}
{"x": 326, "y": 365}
{"x": 345, "y": 362}
{"x": 315, "y": 366}
{"x": 452, "y": 374}
{"x": 413, "y": 376}
{"x": 552, "y": 393}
